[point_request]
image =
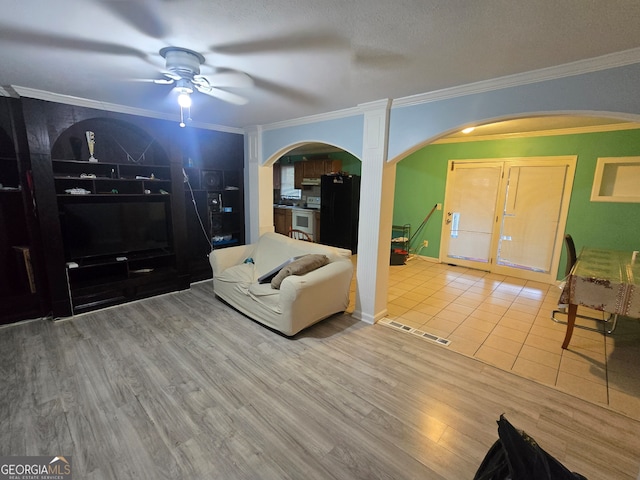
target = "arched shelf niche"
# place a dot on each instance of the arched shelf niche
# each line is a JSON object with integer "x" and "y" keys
{"x": 116, "y": 141}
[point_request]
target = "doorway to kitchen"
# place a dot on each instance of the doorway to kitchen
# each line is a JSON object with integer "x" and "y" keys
{"x": 507, "y": 216}
{"x": 301, "y": 202}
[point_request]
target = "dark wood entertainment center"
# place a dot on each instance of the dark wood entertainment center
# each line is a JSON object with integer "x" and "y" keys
{"x": 76, "y": 235}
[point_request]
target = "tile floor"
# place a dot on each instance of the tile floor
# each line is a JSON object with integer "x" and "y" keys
{"x": 506, "y": 322}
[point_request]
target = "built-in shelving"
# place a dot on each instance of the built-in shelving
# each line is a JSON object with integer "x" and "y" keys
{"x": 115, "y": 190}
{"x": 225, "y": 202}
{"x": 100, "y": 282}
{"x": 616, "y": 180}
{"x": 52, "y": 195}
{"x": 219, "y": 201}
{"x": 110, "y": 178}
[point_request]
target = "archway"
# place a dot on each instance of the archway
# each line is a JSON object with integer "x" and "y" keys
{"x": 297, "y": 191}
{"x": 487, "y": 316}
{"x": 421, "y": 175}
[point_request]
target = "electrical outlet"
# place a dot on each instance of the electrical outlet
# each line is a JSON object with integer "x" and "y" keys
{"x": 425, "y": 243}
{"x": 438, "y": 206}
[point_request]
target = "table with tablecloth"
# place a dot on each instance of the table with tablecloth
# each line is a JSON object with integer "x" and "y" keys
{"x": 605, "y": 280}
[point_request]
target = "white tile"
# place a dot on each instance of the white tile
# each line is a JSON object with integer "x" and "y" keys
{"x": 507, "y": 322}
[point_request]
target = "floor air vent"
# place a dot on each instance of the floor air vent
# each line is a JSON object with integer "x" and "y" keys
{"x": 414, "y": 331}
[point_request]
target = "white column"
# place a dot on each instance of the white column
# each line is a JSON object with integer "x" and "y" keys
{"x": 258, "y": 195}
{"x": 376, "y": 213}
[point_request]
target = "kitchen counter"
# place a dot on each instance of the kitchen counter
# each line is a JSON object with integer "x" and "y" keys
{"x": 294, "y": 207}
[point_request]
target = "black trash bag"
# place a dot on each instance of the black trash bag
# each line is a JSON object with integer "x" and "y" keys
{"x": 517, "y": 456}
{"x": 495, "y": 465}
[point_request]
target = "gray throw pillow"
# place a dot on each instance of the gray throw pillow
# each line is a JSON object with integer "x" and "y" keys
{"x": 301, "y": 266}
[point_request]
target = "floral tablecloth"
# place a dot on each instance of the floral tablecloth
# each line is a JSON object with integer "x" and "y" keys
{"x": 605, "y": 280}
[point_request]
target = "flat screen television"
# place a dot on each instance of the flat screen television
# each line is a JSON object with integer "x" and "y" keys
{"x": 99, "y": 229}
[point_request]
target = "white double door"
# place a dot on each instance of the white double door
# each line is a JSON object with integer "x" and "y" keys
{"x": 507, "y": 216}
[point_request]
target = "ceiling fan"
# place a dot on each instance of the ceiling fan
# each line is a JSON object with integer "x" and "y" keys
{"x": 182, "y": 70}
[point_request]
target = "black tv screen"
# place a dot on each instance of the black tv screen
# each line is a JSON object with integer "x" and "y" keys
{"x": 103, "y": 229}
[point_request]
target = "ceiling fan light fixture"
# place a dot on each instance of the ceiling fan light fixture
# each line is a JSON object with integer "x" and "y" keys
{"x": 182, "y": 61}
{"x": 184, "y": 85}
{"x": 185, "y": 89}
{"x": 184, "y": 100}
{"x": 183, "y": 70}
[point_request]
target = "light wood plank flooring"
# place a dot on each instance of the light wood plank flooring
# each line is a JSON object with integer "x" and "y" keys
{"x": 506, "y": 321}
{"x": 182, "y": 386}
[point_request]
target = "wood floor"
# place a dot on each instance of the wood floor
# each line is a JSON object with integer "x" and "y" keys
{"x": 182, "y": 386}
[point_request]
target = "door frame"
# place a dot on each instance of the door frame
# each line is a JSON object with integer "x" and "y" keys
{"x": 444, "y": 240}
{"x": 570, "y": 161}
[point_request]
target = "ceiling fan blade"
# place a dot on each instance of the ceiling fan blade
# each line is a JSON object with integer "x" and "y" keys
{"x": 226, "y": 79}
{"x": 43, "y": 40}
{"x": 170, "y": 78}
{"x": 377, "y": 58}
{"x": 222, "y": 95}
{"x": 295, "y": 41}
{"x": 140, "y": 14}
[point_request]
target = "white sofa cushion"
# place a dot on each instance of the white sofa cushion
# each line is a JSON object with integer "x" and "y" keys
{"x": 242, "y": 273}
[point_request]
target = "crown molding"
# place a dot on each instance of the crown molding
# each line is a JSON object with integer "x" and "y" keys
{"x": 604, "y": 62}
{"x": 110, "y": 107}
{"x": 542, "y": 133}
{"x": 321, "y": 117}
{"x": 8, "y": 91}
{"x": 335, "y": 115}
{"x": 375, "y": 105}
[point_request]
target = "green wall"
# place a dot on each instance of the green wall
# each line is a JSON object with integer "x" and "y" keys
{"x": 421, "y": 177}
{"x": 350, "y": 164}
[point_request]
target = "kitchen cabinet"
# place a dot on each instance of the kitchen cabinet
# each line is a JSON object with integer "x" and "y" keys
{"x": 331, "y": 166}
{"x": 282, "y": 220}
{"x": 315, "y": 169}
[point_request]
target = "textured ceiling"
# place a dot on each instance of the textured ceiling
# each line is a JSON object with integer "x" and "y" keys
{"x": 305, "y": 56}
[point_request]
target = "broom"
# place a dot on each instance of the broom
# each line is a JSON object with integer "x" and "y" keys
{"x": 415, "y": 234}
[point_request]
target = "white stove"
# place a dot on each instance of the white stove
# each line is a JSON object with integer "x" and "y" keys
{"x": 313, "y": 202}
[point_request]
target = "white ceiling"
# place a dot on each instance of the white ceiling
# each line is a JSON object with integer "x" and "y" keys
{"x": 305, "y": 56}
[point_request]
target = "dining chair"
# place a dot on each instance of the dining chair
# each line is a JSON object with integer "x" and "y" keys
{"x": 299, "y": 235}
{"x": 572, "y": 258}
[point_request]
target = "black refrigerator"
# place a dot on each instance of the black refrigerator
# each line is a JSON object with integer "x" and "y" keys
{"x": 339, "y": 205}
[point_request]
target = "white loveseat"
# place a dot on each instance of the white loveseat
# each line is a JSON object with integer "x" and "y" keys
{"x": 301, "y": 301}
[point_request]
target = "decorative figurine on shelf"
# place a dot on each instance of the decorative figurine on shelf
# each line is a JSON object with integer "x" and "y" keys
{"x": 91, "y": 142}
